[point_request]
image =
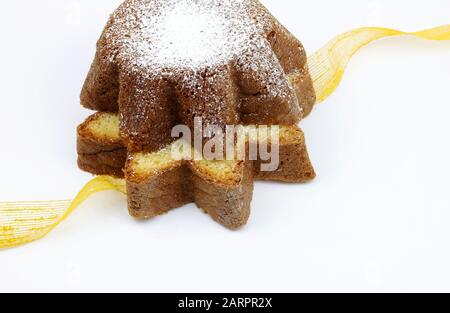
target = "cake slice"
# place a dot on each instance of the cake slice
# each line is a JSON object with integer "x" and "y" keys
{"x": 158, "y": 182}
{"x": 101, "y": 151}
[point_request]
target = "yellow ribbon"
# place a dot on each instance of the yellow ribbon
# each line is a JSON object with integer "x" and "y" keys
{"x": 24, "y": 222}
{"x": 327, "y": 66}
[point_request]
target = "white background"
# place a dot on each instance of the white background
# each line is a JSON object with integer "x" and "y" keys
{"x": 376, "y": 218}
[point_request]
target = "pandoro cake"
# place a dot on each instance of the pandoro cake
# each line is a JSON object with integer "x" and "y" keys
{"x": 163, "y": 63}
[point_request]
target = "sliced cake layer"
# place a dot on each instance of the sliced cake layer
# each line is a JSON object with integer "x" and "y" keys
{"x": 160, "y": 181}
{"x": 102, "y": 152}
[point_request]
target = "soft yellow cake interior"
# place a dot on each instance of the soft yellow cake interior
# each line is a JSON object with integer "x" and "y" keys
{"x": 146, "y": 163}
{"x": 105, "y": 126}
{"x": 219, "y": 170}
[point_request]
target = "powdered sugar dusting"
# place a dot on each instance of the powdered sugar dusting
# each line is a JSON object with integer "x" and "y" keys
{"x": 192, "y": 37}
{"x": 166, "y": 34}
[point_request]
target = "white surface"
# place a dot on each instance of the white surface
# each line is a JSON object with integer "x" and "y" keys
{"x": 376, "y": 218}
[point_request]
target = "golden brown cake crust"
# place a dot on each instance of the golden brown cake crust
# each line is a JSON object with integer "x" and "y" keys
{"x": 295, "y": 164}
{"x": 157, "y": 195}
{"x": 243, "y": 67}
{"x": 229, "y": 205}
{"x": 103, "y": 161}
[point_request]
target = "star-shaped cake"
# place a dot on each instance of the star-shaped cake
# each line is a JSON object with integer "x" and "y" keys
{"x": 164, "y": 63}
{"x": 158, "y": 182}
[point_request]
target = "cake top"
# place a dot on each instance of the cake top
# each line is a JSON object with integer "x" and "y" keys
{"x": 162, "y": 63}
{"x": 188, "y": 34}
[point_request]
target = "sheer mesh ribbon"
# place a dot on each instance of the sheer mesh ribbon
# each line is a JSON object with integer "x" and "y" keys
{"x": 24, "y": 222}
